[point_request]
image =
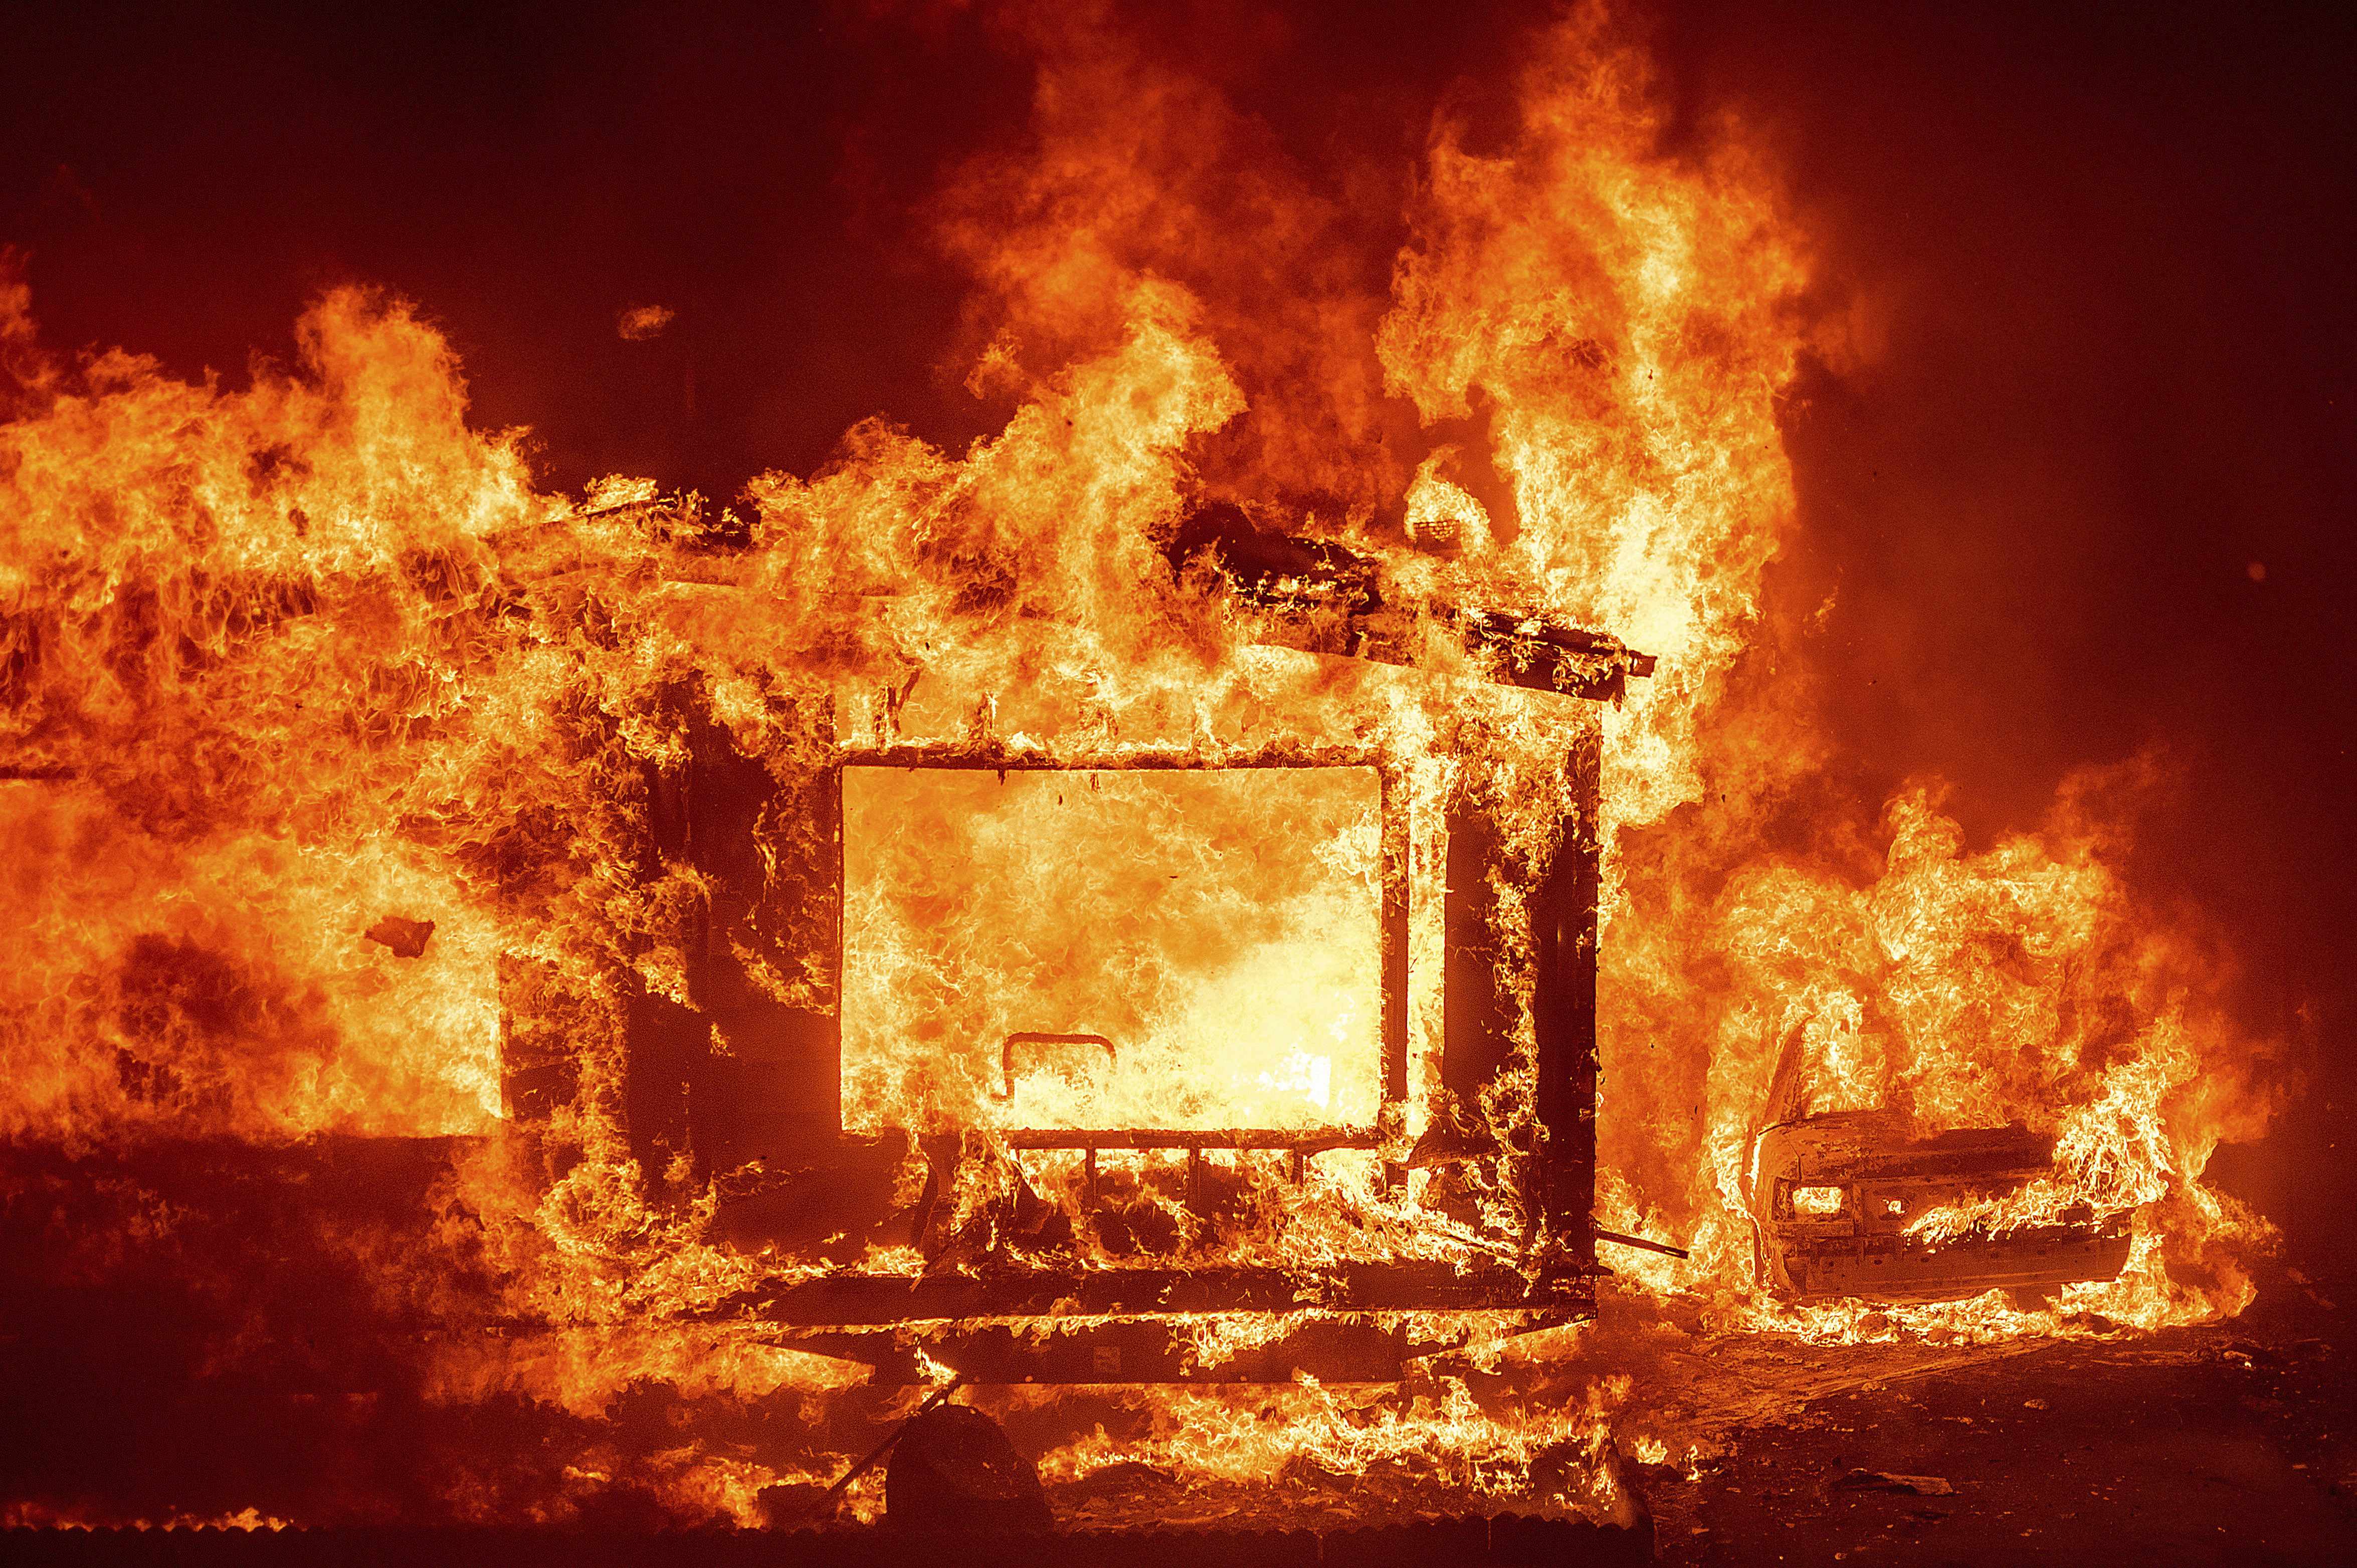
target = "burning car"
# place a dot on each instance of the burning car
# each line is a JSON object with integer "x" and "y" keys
{"x": 1839, "y": 1204}
{"x": 1872, "y": 1205}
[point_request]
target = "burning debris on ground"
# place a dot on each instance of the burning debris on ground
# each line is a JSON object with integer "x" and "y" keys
{"x": 1199, "y": 965}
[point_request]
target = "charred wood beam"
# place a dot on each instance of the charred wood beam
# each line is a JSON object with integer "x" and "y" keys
{"x": 1392, "y": 915}
{"x": 848, "y": 1299}
{"x": 1092, "y": 1139}
{"x": 1563, "y": 1004}
{"x": 1478, "y": 1014}
{"x": 1477, "y": 1010}
{"x": 1309, "y": 578}
{"x": 1618, "y": 1239}
{"x": 992, "y": 755}
{"x": 1341, "y": 1349}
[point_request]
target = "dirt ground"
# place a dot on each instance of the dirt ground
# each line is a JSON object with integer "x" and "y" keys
{"x": 2233, "y": 1442}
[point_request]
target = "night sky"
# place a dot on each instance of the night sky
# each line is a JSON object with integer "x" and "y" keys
{"x": 2089, "y": 497}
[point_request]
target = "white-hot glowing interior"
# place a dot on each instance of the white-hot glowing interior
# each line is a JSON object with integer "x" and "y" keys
{"x": 1220, "y": 928}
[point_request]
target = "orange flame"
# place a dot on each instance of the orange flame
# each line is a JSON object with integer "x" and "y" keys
{"x": 288, "y": 662}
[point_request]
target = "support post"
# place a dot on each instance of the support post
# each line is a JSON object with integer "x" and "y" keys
{"x": 1564, "y": 1007}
